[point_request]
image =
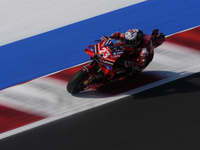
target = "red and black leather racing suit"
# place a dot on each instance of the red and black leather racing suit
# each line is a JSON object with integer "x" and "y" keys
{"x": 137, "y": 58}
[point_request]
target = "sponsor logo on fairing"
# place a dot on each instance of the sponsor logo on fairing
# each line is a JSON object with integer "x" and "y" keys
{"x": 103, "y": 44}
{"x": 91, "y": 48}
{"x": 115, "y": 56}
{"x": 107, "y": 62}
{"x": 108, "y": 67}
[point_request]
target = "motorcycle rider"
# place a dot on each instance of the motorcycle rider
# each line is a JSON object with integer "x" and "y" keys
{"x": 138, "y": 47}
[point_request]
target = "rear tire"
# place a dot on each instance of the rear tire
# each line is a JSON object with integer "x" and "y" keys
{"x": 75, "y": 84}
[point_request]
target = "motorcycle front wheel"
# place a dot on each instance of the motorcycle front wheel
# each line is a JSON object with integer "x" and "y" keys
{"x": 75, "y": 84}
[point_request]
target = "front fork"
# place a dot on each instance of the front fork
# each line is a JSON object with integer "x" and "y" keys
{"x": 90, "y": 68}
{"x": 94, "y": 72}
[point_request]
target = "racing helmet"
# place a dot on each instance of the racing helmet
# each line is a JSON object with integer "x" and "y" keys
{"x": 133, "y": 38}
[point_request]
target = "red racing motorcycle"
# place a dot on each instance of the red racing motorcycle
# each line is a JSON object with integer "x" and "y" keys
{"x": 105, "y": 65}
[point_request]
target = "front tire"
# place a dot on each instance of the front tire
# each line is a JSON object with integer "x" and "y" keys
{"x": 75, "y": 84}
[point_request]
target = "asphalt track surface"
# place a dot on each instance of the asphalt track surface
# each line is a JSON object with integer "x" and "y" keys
{"x": 162, "y": 118}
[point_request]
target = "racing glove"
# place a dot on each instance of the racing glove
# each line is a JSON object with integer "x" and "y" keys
{"x": 114, "y": 35}
{"x": 154, "y": 33}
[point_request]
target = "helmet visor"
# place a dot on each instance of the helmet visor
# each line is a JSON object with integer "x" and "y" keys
{"x": 132, "y": 43}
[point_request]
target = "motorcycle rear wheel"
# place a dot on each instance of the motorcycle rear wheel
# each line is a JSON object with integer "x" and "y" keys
{"x": 75, "y": 84}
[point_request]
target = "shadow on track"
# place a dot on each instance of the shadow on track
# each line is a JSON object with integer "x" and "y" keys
{"x": 121, "y": 86}
{"x": 183, "y": 86}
